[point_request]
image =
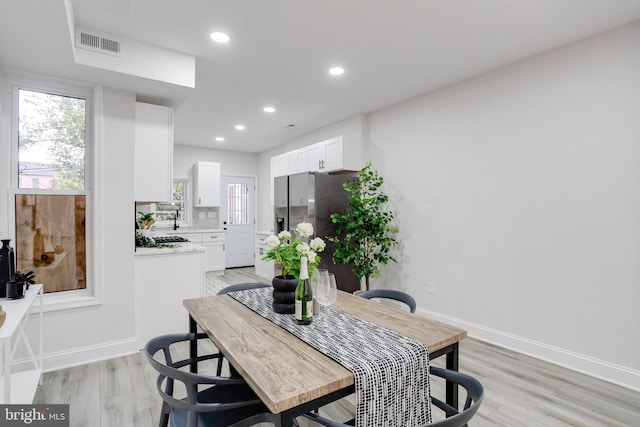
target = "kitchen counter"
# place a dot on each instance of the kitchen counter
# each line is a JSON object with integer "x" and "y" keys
{"x": 214, "y": 242}
{"x": 194, "y": 230}
{"x": 182, "y": 248}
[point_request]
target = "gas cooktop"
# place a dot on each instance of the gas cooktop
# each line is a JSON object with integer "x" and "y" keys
{"x": 170, "y": 239}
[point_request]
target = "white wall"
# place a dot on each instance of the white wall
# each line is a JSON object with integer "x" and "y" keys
{"x": 518, "y": 194}
{"x": 5, "y": 155}
{"x": 232, "y": 163}
{"x": 77, "y": 336}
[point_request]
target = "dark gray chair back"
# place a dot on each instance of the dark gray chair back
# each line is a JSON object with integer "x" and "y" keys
{"x": 390, "y": 294}
{"x": 475, "y": 394}
{"x": 226, "y": 401}
{"x": 242, "y": 287}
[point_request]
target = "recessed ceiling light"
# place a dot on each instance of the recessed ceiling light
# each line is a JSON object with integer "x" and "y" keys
{"x": 240, "y": 127}
{"x": 336, "y": 71}
{"x": 269, "y": 109}
{"x": 219, "y": 37}
{"x": 219, "y": 138}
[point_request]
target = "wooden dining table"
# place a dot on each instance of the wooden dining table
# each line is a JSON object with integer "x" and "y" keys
{"x": 288, "y": 375}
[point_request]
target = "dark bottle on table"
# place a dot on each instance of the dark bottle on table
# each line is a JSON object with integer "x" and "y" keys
{"x": 7, "y": 266}
{"x": 304, "y": 296}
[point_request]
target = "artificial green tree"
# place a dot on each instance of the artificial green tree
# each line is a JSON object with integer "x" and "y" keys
{"x": 364, "y": 234}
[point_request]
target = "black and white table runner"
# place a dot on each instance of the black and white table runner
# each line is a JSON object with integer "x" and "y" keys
{"x": 391, "y": 371}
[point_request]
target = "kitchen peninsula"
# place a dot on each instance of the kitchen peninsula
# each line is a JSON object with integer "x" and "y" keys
{"x": 163, "y": 278}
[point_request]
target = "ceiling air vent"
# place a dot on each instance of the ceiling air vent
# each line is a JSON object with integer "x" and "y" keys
{"x": 97, "y": 43}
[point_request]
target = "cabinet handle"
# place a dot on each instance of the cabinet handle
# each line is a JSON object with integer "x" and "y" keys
{"x": 199, "y": 200}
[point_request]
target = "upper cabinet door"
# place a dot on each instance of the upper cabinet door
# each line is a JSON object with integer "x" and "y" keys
{"x": 325, "y": 156}
{"x": 315, "y": 157}
{"x": 333, "y": 155}
{"x": 296, "y": 161}
{"x": 279, "y": 165}
{"x": 278, "y": 168}
{"x": 206, "y": 178}
{"x": 153, "y": 153}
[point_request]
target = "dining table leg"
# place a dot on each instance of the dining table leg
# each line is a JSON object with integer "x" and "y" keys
{"x": 286, "y": 420}
{"x": 193, "y": 345}
{"x": 452, "y": 388}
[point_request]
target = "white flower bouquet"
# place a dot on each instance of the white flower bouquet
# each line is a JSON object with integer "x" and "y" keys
{"x": 288, "y": 250}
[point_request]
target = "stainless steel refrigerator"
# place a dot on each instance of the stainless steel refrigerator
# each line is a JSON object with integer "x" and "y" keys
{"x": 313, "y": 197}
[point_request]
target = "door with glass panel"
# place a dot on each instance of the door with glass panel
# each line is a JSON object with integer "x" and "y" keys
{"x": 238, "y": 213}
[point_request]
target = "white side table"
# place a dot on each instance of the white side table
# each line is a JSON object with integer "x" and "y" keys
{"x": 20, "y": 386}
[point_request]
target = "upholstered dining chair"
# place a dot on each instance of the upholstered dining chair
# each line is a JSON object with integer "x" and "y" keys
{"x": 455, "y": 418}
{"x": 390, "y": 294}
{"x": 225, "y": 401}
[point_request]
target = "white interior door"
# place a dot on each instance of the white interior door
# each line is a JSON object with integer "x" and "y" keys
{"x": 238, "y": 213}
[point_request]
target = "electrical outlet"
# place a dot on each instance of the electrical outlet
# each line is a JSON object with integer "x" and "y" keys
{"x": 431, "y": 287}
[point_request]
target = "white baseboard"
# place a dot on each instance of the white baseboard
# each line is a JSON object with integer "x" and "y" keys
{"x": 85, "y": 355}
{"x": 597, "y": 368}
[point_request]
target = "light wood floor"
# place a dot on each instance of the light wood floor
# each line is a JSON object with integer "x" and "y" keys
{"x": 519, "y": 390}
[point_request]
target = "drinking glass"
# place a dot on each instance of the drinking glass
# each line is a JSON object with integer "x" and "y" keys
{"x": 322, "y": 288}
{"x": 327, "y": 290}
{"x": 315, "y": 277}
{"x": 332, "y": 293}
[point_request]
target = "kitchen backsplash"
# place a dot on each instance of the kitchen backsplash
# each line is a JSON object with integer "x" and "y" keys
{"x": 206, "y": 218}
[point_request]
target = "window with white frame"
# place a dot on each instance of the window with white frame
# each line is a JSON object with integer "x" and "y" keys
{"x": 166, "y": 213}
{"x": 51, "y": 186}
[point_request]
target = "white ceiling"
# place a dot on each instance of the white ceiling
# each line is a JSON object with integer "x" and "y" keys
{"x": 280, "y": 52}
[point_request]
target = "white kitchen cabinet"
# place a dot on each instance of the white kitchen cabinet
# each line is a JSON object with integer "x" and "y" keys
{"x": 278, "y": 168}
{"x": 326, "y": 156}
{"x": 163, "y": 279}
{"x": 206, "y": 184}
{"x": 315, "y": 156}
{"x": 214, "y": 255}
{"x": 296, "y": 161}
{"x": 279, "y": 165}
{"x": 263, "y": 269}
{"x": 214, "y": 242}
{"x": 153, "y": 153}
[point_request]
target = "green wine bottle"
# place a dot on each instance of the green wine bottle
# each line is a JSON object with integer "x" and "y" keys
{"x": 304, "y": 296}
